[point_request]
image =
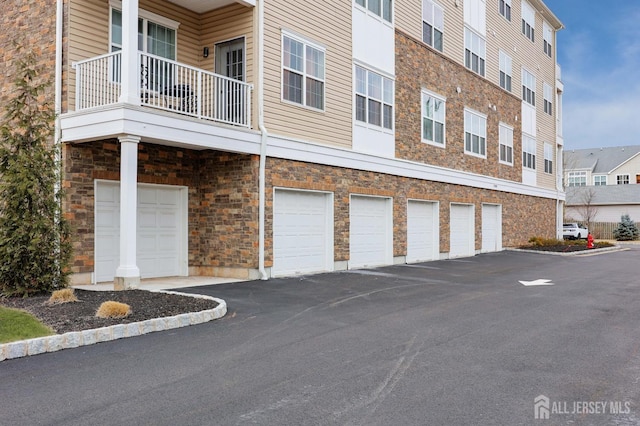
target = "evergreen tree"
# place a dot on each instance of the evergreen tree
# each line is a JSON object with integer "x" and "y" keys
{"x": 35, "y": 246}
{"x": 626, "y": 230}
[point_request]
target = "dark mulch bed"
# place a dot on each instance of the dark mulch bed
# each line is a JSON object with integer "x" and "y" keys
{"x": 565, "y": 248}
{"x": 77, "y": 316}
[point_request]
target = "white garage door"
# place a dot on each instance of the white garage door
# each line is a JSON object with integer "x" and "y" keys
{"x": 302, "y": 232}
{"x": 491, "y": 228}
{"x": 370, "y": 231}
{"x": 161, "y": 231}
{"x": 422, "y": 231}
{"x": 462, "y": 225}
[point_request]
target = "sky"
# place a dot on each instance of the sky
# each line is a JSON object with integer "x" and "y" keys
{"x": 599, "y": 53}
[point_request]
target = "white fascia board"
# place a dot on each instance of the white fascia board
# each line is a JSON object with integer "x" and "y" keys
{"x": 624, "y": 162}
{"x": 285, "y": 148}
{"x": 171, "y": 129}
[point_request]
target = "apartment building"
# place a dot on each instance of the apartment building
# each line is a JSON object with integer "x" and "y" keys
{"x": 254, "y": 139}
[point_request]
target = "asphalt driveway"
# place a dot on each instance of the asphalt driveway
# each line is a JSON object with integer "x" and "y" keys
{"x": 452, "y": 342}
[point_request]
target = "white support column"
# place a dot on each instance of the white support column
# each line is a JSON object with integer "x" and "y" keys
{"x": 128, "y": 274}
{"x": 130, "y": 83}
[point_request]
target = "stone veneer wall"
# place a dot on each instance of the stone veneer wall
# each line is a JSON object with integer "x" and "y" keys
{"x": 223, "y": 201}
{"x": 522, "y": 216}
{"x": 419, "y": 67}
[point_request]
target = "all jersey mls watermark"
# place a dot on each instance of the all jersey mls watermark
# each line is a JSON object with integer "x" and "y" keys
{"x": 543, "y": 407}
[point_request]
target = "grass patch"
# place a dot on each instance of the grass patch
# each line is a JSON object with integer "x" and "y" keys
{"x": 20, "y": 325}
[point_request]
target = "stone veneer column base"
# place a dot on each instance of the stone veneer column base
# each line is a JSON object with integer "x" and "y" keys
{"x": 126, "y": 283}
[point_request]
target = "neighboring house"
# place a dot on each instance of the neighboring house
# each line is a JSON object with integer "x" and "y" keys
{"x": 254, "y": 139}
{"x": 601, "y": 183}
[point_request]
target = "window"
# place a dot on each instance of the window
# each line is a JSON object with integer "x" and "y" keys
{"x": 548, "y": 95}
{"x": 528, "y": 152}
{"x": 475, "y": 133}
{"x": 622, "y": 179}
{"x": 474, "y": 51}
{"x": 157, "y": 36}
{"x": 599, "y": 180}
{"x": 505, "y": 71}
{"x": 548, "y": 158}
{"x": 528, "y": 20}
{"x": 381, "y": 8}
{"x": 374, "y": 98}
{"x": 528, "y": 87}
{"x": 506, "y": 144}
{"x": 433, "y": 119}
{"x": 432, "y": 24}
{"x": 547, "y": 36}
{"x": 577, "y": 179}
{"x": 302, "y": 73}
{"x": 505, "y": 9}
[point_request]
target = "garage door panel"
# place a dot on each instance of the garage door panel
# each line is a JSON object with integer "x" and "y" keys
{"x": 422, "y": 231}
{"x": 491, "y": 228}
{"x": 160, "y": 231}
{"x": 369, "y": 237}
{"x": 462, "y": 236}
{"x": 302, "y": 232}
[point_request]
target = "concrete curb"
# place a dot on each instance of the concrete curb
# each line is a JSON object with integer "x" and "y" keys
{"x": 573, "y": 253}
{"x": 76, "y": 339}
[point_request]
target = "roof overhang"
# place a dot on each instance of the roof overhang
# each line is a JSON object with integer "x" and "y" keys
{"x": 544, "y": 10}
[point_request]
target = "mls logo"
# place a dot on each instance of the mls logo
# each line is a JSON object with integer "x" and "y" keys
{"x": 541, "y": 407}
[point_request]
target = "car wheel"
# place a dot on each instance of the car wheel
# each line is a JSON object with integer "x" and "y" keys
{"x": 579, "y": 237}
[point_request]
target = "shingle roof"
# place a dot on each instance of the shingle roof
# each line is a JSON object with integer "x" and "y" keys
{"x": 603, "y": 194}
{"x": 599, "y": 160}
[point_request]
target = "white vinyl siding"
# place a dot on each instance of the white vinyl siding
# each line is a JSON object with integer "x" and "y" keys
{"x": 432, "y": 24}
{"x": 506, "y": 144}
{"x": 433, "y": 119}
{"x": 505, "y": 71}
{"x": 303, "y": 69}
{"x": 475, "y": 133}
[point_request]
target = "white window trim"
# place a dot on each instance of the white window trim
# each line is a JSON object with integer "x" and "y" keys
{"x": 548, "y": 157}
{"x": 384, "y": 75}
{"x": 623, "y": 176}
{"x": 530, "y": 140}
{"x": 507, "y": 3}
{"x": 508, "y": 58}
{"x": 444, "y": 123}
{"x": 547, "y": 96}
{"x": 547, "y": 36}
{"x": 306, "y": 42}
{"x": 599, "y": 176}
{"x": 433, "y": 24}
{"x": 464, "y": 142}
{"x": 508, "y": 144}
{"x": 527, "y": 9}
{"x": 575, "y": 175}
{"x": 533, "y": 89}
{"x": 374, "y": 15}
{"x": 481, "y": 55}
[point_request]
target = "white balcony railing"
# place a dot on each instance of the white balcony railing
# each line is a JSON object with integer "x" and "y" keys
{"x": 166, "y": 85}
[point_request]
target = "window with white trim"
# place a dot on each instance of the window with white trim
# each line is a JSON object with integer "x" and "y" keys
{"x": 433, "y": 119}
{"x": 528, "y": 152}
{"x": 505, "y": 71}
{"x": 622, "y": 179}
{"x": 577, "y": 178}
{"x": 432, "y": 24}
{"x": 381, "y": 8}
{"x": 547, "y": 36}
{"x": 157, "y": 36}
{"x": 303, "y": 70}
{"x": 528, "y": 87}
{"x": 528, "y": 20}
{"x": 506, "y": 144}
{"x": 505, "y": 9}
{"x": 475, "y": 51}
{"x": 475, "y": 133}
{"x": 374, "y": 98}
{"x": 548, "y": 96}
{"x": 548, "y": 158}
{"x": 599, "y": 180}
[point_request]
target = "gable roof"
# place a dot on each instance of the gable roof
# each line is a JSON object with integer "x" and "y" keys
{"x": 603, "y": 194}
{"x": 600, "y": 160}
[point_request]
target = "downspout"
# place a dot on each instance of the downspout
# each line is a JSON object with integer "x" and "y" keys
{"x": 263, "y": 143}
{"x": 58, "y": 75}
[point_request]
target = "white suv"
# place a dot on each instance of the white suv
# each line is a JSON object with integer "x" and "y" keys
{"x": 574, "y": 231}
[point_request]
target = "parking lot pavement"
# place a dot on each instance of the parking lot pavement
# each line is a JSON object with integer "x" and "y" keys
{"x": 447, "y": 342}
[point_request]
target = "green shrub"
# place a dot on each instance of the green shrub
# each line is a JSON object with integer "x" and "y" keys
{"x": 35, "y": 247}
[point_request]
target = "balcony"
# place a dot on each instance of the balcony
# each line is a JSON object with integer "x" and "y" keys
{"x": 165, "y": 85}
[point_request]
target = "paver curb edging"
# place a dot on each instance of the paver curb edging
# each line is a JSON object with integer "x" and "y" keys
{"x": 74, "y": 339}
{"x": 572, "y": 253}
